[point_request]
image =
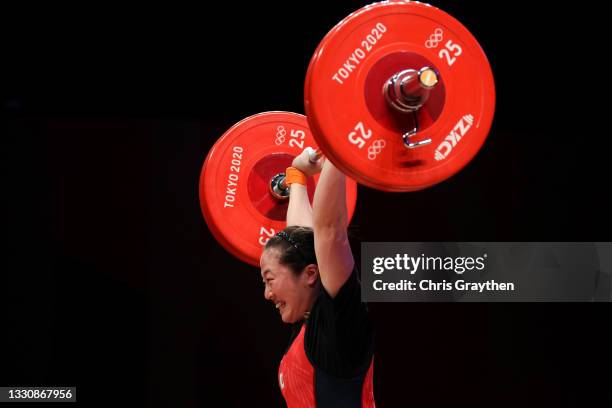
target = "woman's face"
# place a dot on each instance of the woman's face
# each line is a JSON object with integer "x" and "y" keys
{"x": 292, "y": 295}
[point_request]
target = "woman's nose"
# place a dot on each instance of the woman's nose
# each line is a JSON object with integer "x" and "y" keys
{"x": 267, "y": 293}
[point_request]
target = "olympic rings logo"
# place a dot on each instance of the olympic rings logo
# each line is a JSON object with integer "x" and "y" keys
{"x": 376, "y": 148}
{"x": 435, "y": 38}
{"x": 280, "y": 135}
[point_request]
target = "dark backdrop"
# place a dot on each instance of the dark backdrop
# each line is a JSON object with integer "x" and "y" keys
{"x": 113, "y": 282}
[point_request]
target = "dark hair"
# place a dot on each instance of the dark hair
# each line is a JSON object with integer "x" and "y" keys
{"x": 296, "y": 247}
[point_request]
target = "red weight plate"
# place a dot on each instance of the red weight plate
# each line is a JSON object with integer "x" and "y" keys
{"x": 351, "y": 120}
{"x": 234, "y": 184}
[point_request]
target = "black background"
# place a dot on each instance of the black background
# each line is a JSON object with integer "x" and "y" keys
{"x": 113, "y": 282}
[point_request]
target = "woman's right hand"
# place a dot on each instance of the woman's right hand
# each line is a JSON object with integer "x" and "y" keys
{"x": 302, "y": 163}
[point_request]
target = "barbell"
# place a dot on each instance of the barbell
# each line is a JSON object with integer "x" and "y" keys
{"x": 399, "y": 96}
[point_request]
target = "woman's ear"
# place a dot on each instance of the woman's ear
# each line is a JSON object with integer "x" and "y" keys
{"x": 312, "y": 274}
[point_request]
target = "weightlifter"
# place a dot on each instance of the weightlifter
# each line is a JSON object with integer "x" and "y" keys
{"x": 311, "y": 278}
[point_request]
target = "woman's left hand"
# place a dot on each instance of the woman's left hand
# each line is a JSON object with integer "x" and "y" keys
{"x": 302, "y": 163}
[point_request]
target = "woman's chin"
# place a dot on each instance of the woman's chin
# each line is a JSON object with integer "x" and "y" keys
{"x": 286, "y": 317}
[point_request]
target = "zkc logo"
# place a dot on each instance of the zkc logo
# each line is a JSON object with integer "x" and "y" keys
{"x": 461, "y": 128}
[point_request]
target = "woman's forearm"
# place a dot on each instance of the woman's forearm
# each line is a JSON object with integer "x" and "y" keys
{"x": 299, "y": 211}
{"x": 329, "y": 201}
